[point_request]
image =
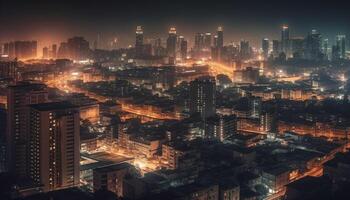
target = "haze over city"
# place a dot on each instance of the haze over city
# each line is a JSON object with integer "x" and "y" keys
{"x": 55, "y": 21}
{"x": 174, "y": 100}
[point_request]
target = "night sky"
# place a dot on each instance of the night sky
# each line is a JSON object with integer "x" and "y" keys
{"x": 55, "y": 21}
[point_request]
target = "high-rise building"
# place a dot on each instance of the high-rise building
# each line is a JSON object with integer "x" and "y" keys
{"x": 313, "y": 44}
{"x": 54, "y": 150}
{"x": 285, "y": 39}
{"x": 3, "y": 150}
{"x": 21, "y": 49}
{"x": 203, "y": 96}
{"x": 159, "y": 50}
{"x": 268, "y": 123}
{"x": 19, "y": 97}
{"x": 265, "y": 47}
{"x": 335, "y": 52}
{"x": 201, "y": 46}
{"x": 341, "y": 45}
{"x": 215, "y": 42}
{"x": 245, "y": 49}
{"x": 139, "y": 42}
{"x": 297, "y": 47}
{"x": 171, "y": 44}
{"x": 220, "y": 38}
{"x": 8, "y": 70}
{"x": 45, "y": 52}
{"x": 276, "y": 48}
{"x": 221, "y": 127}
{"x": 199, "y": 42}
{"x": 255, "y": 104}
{"x": 183, "y": 49}
{"x": 54, "y": 51}
{"x": 325, "y": 47}
{"x": 63, "y": 51}
{"x": 9, "y": 49}
{"x": 78, "y": 48}
{"x": 217, "y": 50}
{"x": 207, "y": 40}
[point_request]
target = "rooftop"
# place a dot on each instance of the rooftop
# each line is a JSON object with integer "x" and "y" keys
{"x": 53, "y": 106}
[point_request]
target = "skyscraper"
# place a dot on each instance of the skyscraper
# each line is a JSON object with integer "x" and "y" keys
{"x": 183, "y": 49}
{"x": 199, "y": 42}
{"x": 265, "y": 47}
{"x": 220, "y": 34}
{"x": 78, "y": 48}
{"x": 313, "y": 46}
{"x": 341, "y": 45}
{"x": 54, "y": 148}
{"x": 8, "y": 69}
{"x": 159, "y": 50}
{"x": 54, "y": 51}
{"x": 45, "y": 52}
{"x": 207, "y": 40}
{"x": 276, "y": 48}
{"x": 203, "y": 96}
{"x": 139, "y": 42}
{"x": 245, "y": 49}
{"x": 21, "y": 49}
{"x": 19, "y": 97}
{"x": 171, "y": 44}
{"x": 216, "y": 51}
{"x": 285, "y": 39}
{"x": 63, "y": 51}
{"x": 325, "y": 47}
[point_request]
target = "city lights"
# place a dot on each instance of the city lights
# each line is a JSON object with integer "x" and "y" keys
{"x": 169, "y": 100}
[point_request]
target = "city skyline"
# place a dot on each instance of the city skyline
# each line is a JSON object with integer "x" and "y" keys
{"x": 170, "y": 100}
{"x": 53, "y": 22}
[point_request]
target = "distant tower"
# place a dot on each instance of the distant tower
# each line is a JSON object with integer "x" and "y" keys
{"x": 199, "y": 42}
{"x": 341, "y": 45}
{"x": 139, "y": 41}
{"x": 285, "y": 39}
{"x": 265, "y": 47}
{"x": 245, "y": 49}
{"x": 171, "y": 45}
{"x": 45, "y": 52}
{"x": 220, "y": 39}
{"x": 325, "y": 47}
{"x": 54, "y": 51}
{"x": 313, "y": 46}
{"x": 183, "y": 48}
{"x": 207, "y": 40}
{"x": 276, "y": 48}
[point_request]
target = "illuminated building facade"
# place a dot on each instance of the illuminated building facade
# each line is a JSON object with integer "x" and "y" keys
{"x": 203, "y": 96}
{"x": 285, "y": 39}
{"x": 183, "y": 49}
{"x": 171, "y": 45}
{"x": 19, "y": 97}
{"x": 8, "y": 70}
{"x": 139, "y": 42}
{"x": 21, "y": 49}
{"x": 54, "y": 145}
{"x": 265, "y": 47}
